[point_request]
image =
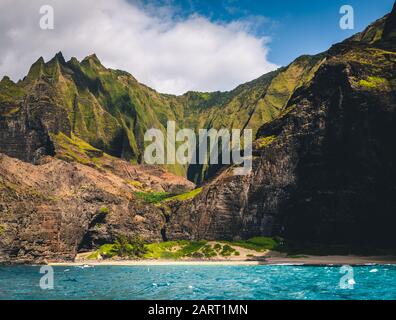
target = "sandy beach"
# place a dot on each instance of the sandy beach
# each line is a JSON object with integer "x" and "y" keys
{"x": 306, "y": 260}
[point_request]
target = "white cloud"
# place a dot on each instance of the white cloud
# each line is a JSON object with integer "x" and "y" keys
{"x": 170, "y": 54}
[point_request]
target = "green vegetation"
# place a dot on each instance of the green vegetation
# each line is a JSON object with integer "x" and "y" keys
{"x": 134, "y": 183}
{"x": 374, "y": 83}
{"x": 161, "y": 249}
{"x": 153, "y": 197}
{"x": 186, "y": 196}
{"x": 264, "y": 141}
{"x": 259, "y": 243}
{"x": 173, "y": 249}
{"x": 75, "y": 149}
{"x": 105, "y": 251}
{"x": 227, "y": 251}
{"x": 109, "y": 111}
{"x": 217, "y": 247}
{"x": 208, "y": 251}
{"x": 182, "y": 249}
{"x": 104, "y": 210}
{"x": 10, "y": 92}
{"x": 158, "y": 197}
{"x": 131, "y": 248}
{"x": 188, "y": 249}
{"x": 123, "y": 247}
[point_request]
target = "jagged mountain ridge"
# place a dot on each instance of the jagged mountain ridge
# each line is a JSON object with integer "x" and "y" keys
{"x": 323, "y": 166}
{"x": 111, "y": 110}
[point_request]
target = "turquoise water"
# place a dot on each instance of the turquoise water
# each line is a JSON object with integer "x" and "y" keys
{"x": 199, "y": 282}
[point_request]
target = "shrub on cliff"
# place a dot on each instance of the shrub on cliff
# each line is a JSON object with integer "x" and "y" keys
{"x": 123, "y": 247}
{"x": 129, "y": 247}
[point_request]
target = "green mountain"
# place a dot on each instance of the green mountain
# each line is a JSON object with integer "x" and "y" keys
{"x": 323, "y": 160}
{"x": 110, "y": 110}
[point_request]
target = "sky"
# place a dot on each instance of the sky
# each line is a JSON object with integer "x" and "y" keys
{"x": 178, "y": 45}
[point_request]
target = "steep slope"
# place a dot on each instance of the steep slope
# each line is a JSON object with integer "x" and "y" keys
{"x": 246, "y": 107}
{"x": 54, "y": 209}
{"x": 106, "y": 108}
{"x": 324, "y": 170}
{"x": 46, "y": 210}
{"x": 111, "y": 111}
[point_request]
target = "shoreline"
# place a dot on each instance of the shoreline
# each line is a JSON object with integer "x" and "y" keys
{"x": 306, "y": 260}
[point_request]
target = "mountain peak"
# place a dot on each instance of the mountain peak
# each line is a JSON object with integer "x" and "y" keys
{"x": 58, "y": 57}
{"x": 92, "y": 56}
{"x": 73, "y": 60}
{"x": 39, "y": 61}
{"x": 36, "y": 68}
{"x": 93, "y": 59}
{"x": 6, "y": 79}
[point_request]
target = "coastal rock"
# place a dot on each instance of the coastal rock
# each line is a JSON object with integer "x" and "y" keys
{"x": 323, "y": 171}
{"x": 50, "y": 211}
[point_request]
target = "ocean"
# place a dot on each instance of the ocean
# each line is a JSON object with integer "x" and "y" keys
{"x": 266, "y": 282}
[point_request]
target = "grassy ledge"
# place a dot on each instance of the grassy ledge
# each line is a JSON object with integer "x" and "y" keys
{"x": 158, "y": 197}
{"x": 185, "y": 196}
{"x": 182, "y": 249}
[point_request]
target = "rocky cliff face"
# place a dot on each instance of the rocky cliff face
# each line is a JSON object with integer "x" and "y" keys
{"x": 52, "y": 210}
{"x": 323, "y": 163}
{"x": 324, "y": 170}
{"x": 25, "y": 121}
